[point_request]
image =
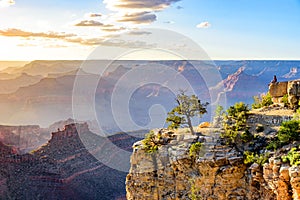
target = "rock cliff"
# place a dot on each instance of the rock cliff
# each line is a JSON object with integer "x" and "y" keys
{"x": 25, "y": 138}
{"x": 63, "y": 168}
{"x": 291, "y": 89}
{"x": 217, "y": 172}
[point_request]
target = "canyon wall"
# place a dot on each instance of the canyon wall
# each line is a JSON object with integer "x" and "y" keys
{"x": 217, "y": 173}
{"x": 64, "y": 167}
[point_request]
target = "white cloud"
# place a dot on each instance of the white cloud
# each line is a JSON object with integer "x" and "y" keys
{"x": 137, "y": 11}
{"x": 73, "y": 38}
{"x": 138, "y": 18}
{"x": 6, "y": 3}
{"x": 95, "y": 15}
{"x": 139, "y": 5}
{"x": 89, "y": 23}
{"x": 13, "y": 32}
{"x": 204, "y": 25}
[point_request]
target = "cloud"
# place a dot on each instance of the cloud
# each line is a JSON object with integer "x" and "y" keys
{"x": 204, "y": 25}
{"x": 139, "y": 33}
{"x": 73, "y": 38}
{"x": 104, "y": 27}
{"x": 55, "y": 46}
{"x": 179, "y": 7}
{"x": 141, "y": 5}
{"x": 26, "y": 45}
{"x": 138, "y": 18}
{"x": 113, "y": 29}
{"x": 89, "y": 23}
{"x": 95, "y": 15}
{"x": 6, "y": 3}
{"x": 26, "y": 34}
{"x": 110, "y": 42}
{"x": 137, "y": 11}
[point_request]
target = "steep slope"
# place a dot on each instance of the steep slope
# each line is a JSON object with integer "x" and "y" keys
{"x": 7, "y": 155}
{"x": 217, "y": 171}
{"x": 25, "y": 138}
{"x": 240, "y": 86}
{"x": 64, "y": 168}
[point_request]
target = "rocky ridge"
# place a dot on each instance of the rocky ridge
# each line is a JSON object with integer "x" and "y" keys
{"x": 63, "y": 168}
{"x": 217, "y": 173}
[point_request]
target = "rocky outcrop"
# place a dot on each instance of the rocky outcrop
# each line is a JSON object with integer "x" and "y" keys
{"x": 217, "y": 173}
{"x": 25, "y": 138}
{"x": 278, "y": 89}
{"x": 290, "y": 88}
{"x": 64, "y": 168}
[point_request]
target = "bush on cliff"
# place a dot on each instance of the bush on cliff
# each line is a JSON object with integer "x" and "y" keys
{"x": 251, "y": 157}
{"x": 288, "y": 133}
{"x": 151, "y": 142}
{"x": 262, "y": 100}
{"x": 297, "y": 114}
{"x": 293, "y": 157}
{"x": 219, "y": 117}
{"x": 195, "y": 149}
{"x": 235, "y": 125}
{"x": 285, "y": 100}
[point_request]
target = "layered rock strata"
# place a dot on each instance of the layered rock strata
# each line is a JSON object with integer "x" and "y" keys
{"x": 217, "y": 173}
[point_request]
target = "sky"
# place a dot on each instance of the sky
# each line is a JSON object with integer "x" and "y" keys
{"x": 224, "y": 29}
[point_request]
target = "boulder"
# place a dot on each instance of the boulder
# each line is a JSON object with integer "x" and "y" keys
{"x": 278, "y": 89}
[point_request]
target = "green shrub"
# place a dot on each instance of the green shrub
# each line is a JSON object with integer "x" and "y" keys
{"x": 289, "y": 131}
{"x": 195, "y": 149}
{"x": 219, "y": 116}
{"x": 285, "y": 100}
{"x": 250, "y": 157}
{"x": 194, "y": 191}
{"x": 297, "y": 114}
{"x": 151, "y": 142}
{"x": 246, "y": 136}
{"x": 235, "y": 124}
{"x": 262, "y": 100}
{"x": 274, "y": 144}
{"x": 293, "y": 157}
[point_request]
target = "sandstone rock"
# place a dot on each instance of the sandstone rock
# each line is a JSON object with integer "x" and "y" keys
{"x": 278, "y": 89}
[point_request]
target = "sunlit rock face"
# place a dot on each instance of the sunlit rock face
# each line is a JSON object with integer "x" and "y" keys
{"x": 290, "y": 89}
{"x": 217, "y": 173}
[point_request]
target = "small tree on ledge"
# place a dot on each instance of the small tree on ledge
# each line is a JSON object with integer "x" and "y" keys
{"x": 187, "y": 108}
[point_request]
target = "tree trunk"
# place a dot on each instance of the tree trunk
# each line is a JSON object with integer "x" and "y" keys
{"x": 189, "y": 121}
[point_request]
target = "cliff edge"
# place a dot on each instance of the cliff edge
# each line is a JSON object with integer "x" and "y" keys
{"x": 216, "y": 172}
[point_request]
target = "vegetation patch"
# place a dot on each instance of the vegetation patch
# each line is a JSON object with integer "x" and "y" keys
{"x": 288, "y": 133}
{"x": 285, "y": 100}
{"x": 195, "y": 149}
{"x": 260, "y": 159}
{"x": 235, "y": 125}
{"x": 293, "y": 157}
{"x": 262, "y": 100}
{"x": 151, "y": 142}
{"x": 187, "y": 108}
